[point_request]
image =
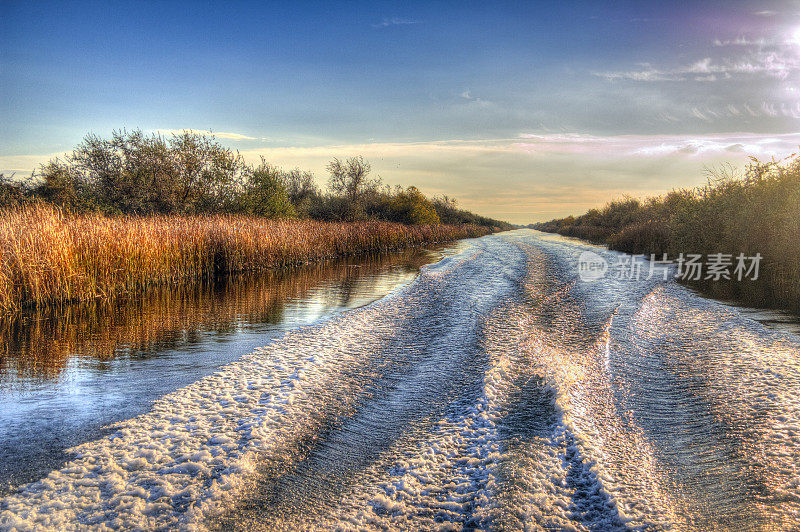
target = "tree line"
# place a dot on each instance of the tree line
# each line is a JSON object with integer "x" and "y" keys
{"x": 752, "y": 211}
{"x": 191, "y": 173}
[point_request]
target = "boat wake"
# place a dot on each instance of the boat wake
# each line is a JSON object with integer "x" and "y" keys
{"x": 496, "y": 391}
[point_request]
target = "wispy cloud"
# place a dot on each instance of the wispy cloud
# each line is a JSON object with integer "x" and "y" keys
{"x": 772, "y": 64}
{"x": 740, "y": 41}
{"x": 621, "y": 146}
{"x": 23, "y": 165}
{"x": 394, "y": 21}
{"x": 219, "y": 135}
{"x": 699, "y": 114}
{"x": 777, "y": 57}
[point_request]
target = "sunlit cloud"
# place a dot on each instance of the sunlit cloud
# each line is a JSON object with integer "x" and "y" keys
{"x": 658, "y": 145}
{"x": 740, "y": 41}
{"x": 219, "y": 135}
{"x": 772, "y": 64}
{"x": 543, "y": 175}
{"x": 794, "y": 38}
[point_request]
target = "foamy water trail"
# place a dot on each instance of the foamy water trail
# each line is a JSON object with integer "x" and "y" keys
{"x": 496, "y": 391}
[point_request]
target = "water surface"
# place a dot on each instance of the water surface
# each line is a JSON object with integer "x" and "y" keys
{"x": 496, "y": 390}
{"x": 67, "y": 373}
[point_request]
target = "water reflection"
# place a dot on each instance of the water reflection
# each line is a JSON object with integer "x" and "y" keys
{"x": 65, "y": 373}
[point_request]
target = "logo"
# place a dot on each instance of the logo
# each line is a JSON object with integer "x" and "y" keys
{"x": 591, "y": 266}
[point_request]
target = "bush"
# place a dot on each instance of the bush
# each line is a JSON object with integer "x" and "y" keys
{"x": 449, "y": 213}
{"x": 12, "y": 193}
{"x": 643, "y": 237}
{"x": 138, "y": 174}
{"x": 265, "y": 193}
{"x": 412, "y": 207}
{"x": 331, "y": 208}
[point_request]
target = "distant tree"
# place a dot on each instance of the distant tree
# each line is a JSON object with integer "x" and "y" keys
{"x": 209, "y": 175}
{"x": 126, "y": 173}
{"x": 65, "y": 185}
{"x": 138, "y": 173}
{"x": 265, "y": 192}
{"x": 350, "y": 178}
{"x": 187, "y": 173}
{"x": 302, "y": 190}
{"x": 412, "y": 207}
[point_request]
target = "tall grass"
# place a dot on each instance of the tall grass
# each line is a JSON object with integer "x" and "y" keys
{"x": 757, "y": 211}
{"x": 48, "y": 256}
{"x": 40, "y": 342}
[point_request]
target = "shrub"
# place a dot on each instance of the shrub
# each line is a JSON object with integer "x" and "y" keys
{"x": 265, "y": 193}
{"x": 410, "y": 206}
{"x": 139, "y": 174}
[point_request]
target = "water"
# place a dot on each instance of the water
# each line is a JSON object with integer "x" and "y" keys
{"x": 496, "y": 390}
{"x": 68, "y": 373}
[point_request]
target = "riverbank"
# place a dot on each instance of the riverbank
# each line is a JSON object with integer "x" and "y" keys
{"x": 755, "y": 213}
{"x": 48, "y": 256}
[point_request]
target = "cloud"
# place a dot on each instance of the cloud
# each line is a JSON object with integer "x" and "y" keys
{"x": 394, "y": 21}
{"x": 622, "y": 146}
{"x": 740, "y": 41}
{"x": 750, "y": 111}
{"x": 466, "y": 95}
{"x": 697, "y": 114}
{"x": 23, "y": 165}
{"x": 766, "y": 13}
{"x": 776, "y": 60}
{"x": 540, "y": 176}
{"x": 769, "y": 109}
{"x": 219, "y": 135}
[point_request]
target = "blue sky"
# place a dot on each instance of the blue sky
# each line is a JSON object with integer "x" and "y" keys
{"x": 521, "y": 110}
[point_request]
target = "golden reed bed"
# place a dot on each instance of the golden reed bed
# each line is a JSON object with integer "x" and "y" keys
{"x": 48, "y": 256}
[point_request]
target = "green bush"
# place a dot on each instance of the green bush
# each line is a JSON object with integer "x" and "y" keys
{"x": 410, "y": 206}
{"x": 265, "y": 193}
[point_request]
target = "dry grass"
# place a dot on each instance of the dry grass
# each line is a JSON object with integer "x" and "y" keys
{"x": 39, "y": 343}
{"x": 48, "y": 256}
{"x": 754, "y": 212}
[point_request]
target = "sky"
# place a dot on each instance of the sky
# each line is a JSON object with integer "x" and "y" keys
{"x": 523, "y": 111}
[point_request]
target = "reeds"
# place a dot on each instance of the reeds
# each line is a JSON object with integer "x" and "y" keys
{"x": 48, "y": 256}
{"x": 39, "y": 343}
{"x": 757, "y": 212}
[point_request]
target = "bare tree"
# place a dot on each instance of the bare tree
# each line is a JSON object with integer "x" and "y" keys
{"x": 349, "y": 178}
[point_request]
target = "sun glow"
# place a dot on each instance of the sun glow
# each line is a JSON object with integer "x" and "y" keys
{"x": 794, "y": 37}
